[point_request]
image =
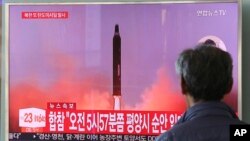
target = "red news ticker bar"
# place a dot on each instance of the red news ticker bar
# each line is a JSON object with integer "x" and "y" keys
{"x": 110, "y": 122}
{"x": 45, "y": 15}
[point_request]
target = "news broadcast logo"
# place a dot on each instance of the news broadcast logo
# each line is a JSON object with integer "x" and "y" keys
{"x": 239, "y": 132}
{"x": 32, "y": 118}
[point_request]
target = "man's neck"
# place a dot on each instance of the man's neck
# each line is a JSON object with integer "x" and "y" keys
{"x": 191, "y": 102}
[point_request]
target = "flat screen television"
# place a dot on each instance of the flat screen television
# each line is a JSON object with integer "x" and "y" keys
{"x": 105, "y": 70}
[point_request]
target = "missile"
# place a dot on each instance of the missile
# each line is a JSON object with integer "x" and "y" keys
{"x": 116, "y": 62}
{"x": 117, "y": 68}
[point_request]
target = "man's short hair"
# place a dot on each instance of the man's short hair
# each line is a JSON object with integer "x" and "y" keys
{"x": 210, "y": 42}
{"x": 207, "y": 72}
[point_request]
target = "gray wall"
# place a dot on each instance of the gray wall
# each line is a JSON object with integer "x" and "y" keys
{"x": 0, "y": 55}
{"x": 246, "y": 60}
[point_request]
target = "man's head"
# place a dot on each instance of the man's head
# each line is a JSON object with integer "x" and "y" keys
{"x": 206, "y": 72}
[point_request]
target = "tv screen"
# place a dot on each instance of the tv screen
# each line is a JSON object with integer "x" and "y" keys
{"x": 100, "y": 71}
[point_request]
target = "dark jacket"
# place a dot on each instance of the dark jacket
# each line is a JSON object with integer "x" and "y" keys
{"x": 208, "y": 121}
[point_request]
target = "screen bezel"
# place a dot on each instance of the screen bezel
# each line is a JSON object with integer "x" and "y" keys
{"x": 5, "y": 45}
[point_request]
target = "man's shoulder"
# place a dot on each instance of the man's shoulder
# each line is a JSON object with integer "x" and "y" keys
{"x": 167, "y": 136}
{"x": 190, "y": 129}
{"x": 174, "y": 132}
{"x": 177, "y": 132}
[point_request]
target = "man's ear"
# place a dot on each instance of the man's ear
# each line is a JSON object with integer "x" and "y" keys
{"x": 183, "y": 86}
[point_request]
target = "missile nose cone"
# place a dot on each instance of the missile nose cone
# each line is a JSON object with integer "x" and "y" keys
{"x": 117, "y": 28}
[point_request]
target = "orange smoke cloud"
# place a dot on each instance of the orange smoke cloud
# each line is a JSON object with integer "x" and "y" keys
{"x": 67, "y": 88}
{"x": 161, "y": 96}
{"x": 86, "y": 92}
{"x": 30, "y": 95}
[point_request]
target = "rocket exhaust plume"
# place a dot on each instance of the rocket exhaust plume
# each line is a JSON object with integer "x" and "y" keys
{"x": 117, "y": 68}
